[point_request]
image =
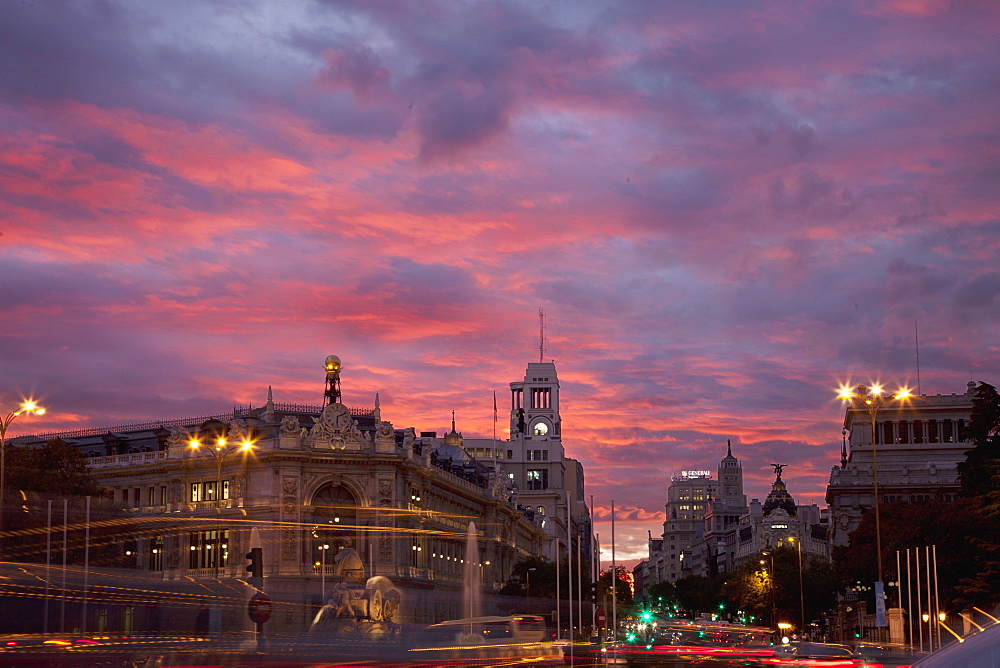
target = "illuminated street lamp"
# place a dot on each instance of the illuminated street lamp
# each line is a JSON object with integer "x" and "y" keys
{"x": 322, "y": 573}
{"x": 773, "y": 582}
{"x": 222, "y": 449}
{"x": 802, "y": 596}
{"x": 27, "y": 408}
{"x": 871, "y": 400}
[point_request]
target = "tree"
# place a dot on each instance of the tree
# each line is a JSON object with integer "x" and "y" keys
{"x": 55, "y": 472}
{"x": 978, "y": 474}
{"x": 623, "y": 590}
{"x": 54, "y": 468}
{"x": 698, "y": 594}
{"x": 767, "y": 586}
{"x": 965, "y": 536}
{"x": 623, "y": 585}
{"x": 749, "y": 589}
{"x": 663, "y": 594}
{"x": 537, "y": 572}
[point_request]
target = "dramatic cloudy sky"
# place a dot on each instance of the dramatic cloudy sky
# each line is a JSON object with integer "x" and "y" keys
{"x": 725, "y": 209}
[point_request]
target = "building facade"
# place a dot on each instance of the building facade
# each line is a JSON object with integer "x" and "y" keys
{"x": 547, "y": 482}
{"x": 711, "y": 529}
{"x": 336, "y": 497}
{"x": 918, "y": 446}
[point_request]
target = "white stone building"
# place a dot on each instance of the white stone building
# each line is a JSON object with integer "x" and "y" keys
{"x": 535, "y": 461}
{"x": 919, "y": 443}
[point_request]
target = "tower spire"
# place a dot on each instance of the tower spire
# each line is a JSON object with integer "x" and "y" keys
{"x": 729, "y": 448}
{"x": 453, "y": 422}
{"x": 541, "y": 334}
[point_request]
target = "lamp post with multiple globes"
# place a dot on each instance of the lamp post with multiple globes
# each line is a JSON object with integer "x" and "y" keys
{"x": 222, "y": 449}
{"x": 27, "y": 407}
{"x": 871, "y": 400}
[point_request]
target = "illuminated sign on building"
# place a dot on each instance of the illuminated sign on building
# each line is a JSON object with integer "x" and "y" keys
{"x": 695, "y": 474}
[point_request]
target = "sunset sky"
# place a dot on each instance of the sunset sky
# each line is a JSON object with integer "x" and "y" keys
{"x": 725, "y": 210}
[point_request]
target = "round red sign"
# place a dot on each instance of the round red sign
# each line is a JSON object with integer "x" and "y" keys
{"x": 601, "y": 618}
{"x": 259, "y": 608}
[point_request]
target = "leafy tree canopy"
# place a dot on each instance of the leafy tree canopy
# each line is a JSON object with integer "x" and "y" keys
{"x": 698, "y": 594}
{"x": 56, "y": 468}
{"x": 963, "y": 534}
{"x": 60, "y": 473}
{"x": 979, "y": 474}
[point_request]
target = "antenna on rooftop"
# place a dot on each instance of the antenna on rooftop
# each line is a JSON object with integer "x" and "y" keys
{"x": 916, "y": 338}
{"x": 541, "y": 334}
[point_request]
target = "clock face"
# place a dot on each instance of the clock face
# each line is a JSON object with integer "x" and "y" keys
{"x": 541, "y": 429}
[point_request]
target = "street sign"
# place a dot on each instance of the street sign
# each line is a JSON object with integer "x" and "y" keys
{"x": 601, "y": 618}
{"x": 259, "y": 608}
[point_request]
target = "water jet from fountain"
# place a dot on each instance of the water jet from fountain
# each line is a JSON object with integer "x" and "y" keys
{"x": 472, "y": 586}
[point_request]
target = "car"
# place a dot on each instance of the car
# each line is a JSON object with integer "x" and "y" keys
{"x": 978, "y": 650}
{"x": 885, "y": 654}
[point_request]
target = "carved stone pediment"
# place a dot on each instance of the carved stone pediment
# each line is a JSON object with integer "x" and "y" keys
{"x": 337, "y": 429}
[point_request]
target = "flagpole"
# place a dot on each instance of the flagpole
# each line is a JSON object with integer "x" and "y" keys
{"x": 569, "y": 565}
{"x": 614, "y": 579}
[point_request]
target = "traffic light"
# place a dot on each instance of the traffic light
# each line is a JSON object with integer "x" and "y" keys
{"x": 256, "y": 567}
{"x": 593, "y": 592}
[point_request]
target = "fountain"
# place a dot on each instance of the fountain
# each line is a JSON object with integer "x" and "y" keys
{"x": 475, "y": 638}
{"x": 355, "y": 609}
{"x": 472, "y": 585}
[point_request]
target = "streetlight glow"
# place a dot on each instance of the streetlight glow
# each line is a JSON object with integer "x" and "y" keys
{"x": 871, "y": 400}
{"x": 27, "y": 407}
{"x": 220, "y": 452}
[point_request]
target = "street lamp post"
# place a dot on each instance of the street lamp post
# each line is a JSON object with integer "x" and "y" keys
{"x": 871, "y": 400}
{"x": 26, "y": 408}
{"x": 802, "y": 596}
{"x": 222, "y": 449}
{"x": 773, "y": 582}
{"x": 322, "y": 573}
{"x": 527, "y": 586}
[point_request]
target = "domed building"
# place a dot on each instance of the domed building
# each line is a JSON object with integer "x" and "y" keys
{"x": 780, "y": 521}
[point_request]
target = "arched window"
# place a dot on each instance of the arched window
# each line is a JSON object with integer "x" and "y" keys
{"x": 334, "y": 524}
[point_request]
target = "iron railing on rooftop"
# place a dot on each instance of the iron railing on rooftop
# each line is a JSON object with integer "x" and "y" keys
{"x": 237, "y": 412}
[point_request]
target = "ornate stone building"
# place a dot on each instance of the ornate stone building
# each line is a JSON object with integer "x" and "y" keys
{"x": 711, "y": 529}
{"x": 331, "y": 494}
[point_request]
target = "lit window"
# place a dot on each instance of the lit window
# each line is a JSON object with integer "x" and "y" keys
{"x": 538, "y": 479}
